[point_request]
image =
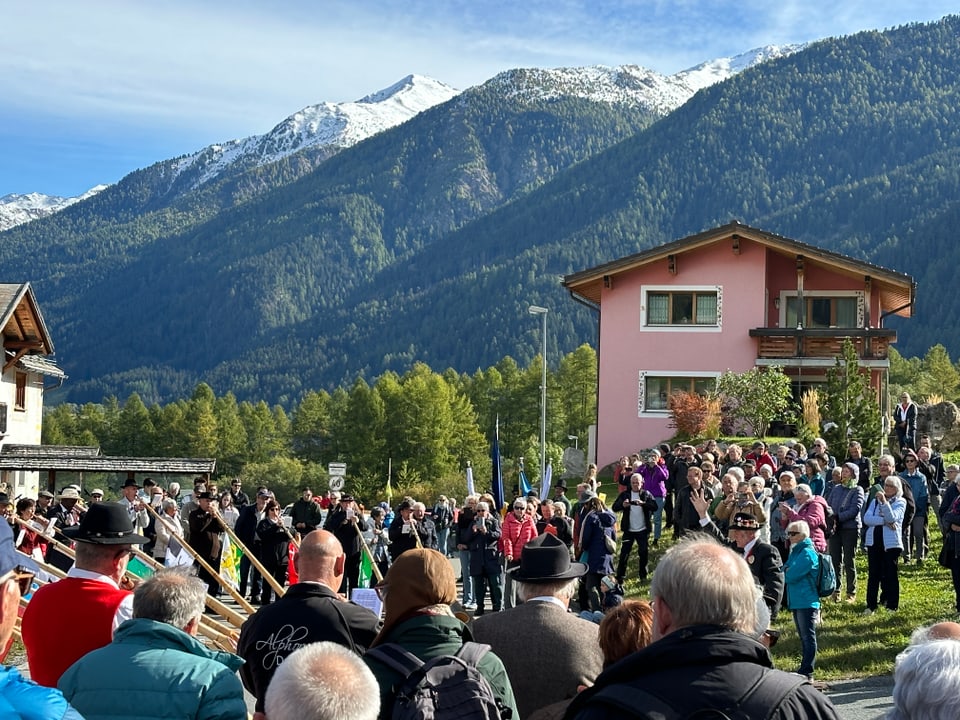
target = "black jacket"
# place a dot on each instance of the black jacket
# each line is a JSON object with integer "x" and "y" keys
{"x": 246, "y": 527}
{"x": 622, "y": 504}
{"x": 309, "y": 612}
{"x": 765, "y": 564}
{"x": 693, "y": 669}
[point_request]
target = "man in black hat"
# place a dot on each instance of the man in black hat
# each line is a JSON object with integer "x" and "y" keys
{"x": 205, "y": 529}
{"x": 763, "y": 559}
{"x": 403, "y": 532}
{"x": 132, "y": 502}
{"x": 93, "y": 591}
{"x": 540, "y": 633}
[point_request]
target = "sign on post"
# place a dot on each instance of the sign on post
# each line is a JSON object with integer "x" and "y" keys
{"x": 338, "y": 475}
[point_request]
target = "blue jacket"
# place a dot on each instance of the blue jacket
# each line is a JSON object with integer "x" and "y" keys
{"x": 595, "y": 526}
{"x": 847, "y": 503}
{"x": 22, "y": 699}
{"x": 154, "y": 670}
{"x": 890, "y": 516}
{"x": 918, "y": 485}
{"x": 800, "y": 575}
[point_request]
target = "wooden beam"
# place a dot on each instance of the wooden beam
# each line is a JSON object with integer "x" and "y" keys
{"x": 15, "y": 359}
{"x": 23, "y": 344}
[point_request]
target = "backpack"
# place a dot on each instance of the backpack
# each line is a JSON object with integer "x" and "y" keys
{"x": 762, "y": 700}
{"x": 829, "y": 520}
{"x": 447, "y": 686}
{"x": 826, "y": 576}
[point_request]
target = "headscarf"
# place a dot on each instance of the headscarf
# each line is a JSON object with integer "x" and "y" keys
{"x": 417, "y": 579}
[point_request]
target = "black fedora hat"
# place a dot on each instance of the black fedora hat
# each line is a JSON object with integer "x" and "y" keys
{"x": 546, "y": 559}
{"x": 129, "y": 482}
{"x": 106, "y": 523}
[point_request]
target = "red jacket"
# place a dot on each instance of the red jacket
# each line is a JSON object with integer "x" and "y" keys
{"x": 64, "y": 621}
{"x": 515, "y": 534}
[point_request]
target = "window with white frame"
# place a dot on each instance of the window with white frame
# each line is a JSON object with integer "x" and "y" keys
{"x": 655, "y": 388}
{"x": 681, "y": 308}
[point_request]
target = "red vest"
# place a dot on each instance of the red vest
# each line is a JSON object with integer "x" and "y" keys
{"x": 64, "y": 621}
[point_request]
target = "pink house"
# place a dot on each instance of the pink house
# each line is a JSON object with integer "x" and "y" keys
{"x": 731, "y": 298}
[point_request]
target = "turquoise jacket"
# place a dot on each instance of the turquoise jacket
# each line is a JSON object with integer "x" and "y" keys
{"x": 22, "y": 699}
{"x": 800, "y": 574}
{"x": 152, "y": 670}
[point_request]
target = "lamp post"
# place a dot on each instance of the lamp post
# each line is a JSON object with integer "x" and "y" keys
{"x": 542, "y": 312}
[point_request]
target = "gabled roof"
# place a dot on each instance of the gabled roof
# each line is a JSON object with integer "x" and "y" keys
{"x": 897, "y": 290}
{"x": 21, "y": 322}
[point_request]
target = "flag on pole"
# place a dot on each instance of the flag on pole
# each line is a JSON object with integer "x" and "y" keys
{"x": 230, "y": 562}
{"x": 292, "y": 576}
{"x": 547, "y": 477}
{"x": 366, "y": 571}
{"x": 497, "y": 484}
{"x": 470, "y": 489}
{"x": 176, "y": 555}
{"x": 389, "y": 490}
{"x": 524, "y": 483}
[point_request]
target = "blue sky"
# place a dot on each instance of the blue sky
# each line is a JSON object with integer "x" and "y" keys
{"x": 90, "y": 91}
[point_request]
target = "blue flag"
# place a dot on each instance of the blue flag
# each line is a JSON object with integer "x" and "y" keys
{"x": 524, "y": 483}
{"x": 497, "y": 485}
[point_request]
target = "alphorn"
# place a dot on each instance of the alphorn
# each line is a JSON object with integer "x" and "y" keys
{"x": 270, "y": 579}
{"x": 241, "y": 601}
{"x": 235, "y": 618}
{"x": 373, "y": 563}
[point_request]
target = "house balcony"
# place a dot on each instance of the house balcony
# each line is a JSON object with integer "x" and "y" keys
{"x": 820, "y": 346}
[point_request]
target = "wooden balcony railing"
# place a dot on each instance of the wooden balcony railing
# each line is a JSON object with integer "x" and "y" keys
{"x": 870, "y": 343}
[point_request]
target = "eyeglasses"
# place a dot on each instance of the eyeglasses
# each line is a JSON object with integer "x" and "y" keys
{"x": 772, "y": 636}
{"x": 794, "y": 532}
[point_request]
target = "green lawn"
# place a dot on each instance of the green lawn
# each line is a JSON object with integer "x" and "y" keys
{"x": 849, "y": 643}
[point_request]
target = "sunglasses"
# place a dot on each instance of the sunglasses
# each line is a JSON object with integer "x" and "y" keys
{"x": 794, "y": 532}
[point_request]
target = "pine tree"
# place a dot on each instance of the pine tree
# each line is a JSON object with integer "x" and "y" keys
{"x": 848, "y": 405}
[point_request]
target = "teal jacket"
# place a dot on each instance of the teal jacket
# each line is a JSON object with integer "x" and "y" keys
{"x": 428, "y": 636}
{"x": 800, "y": 575}
{"x": 152, "y": 670}
{"x": 22, "y": 699}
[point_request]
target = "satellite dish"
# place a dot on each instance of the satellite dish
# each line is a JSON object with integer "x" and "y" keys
{"x": 337, "y": 482}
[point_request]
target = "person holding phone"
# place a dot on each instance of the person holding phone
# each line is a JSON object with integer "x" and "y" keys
{"x": 343, "y": 521}
{"x": 638, "y": 506}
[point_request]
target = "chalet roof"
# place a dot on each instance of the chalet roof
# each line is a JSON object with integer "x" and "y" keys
{"x": 41, "y": 365}
{"x": 20, "y": 319}
{"x": 897, "y": 290}
{"x": 89, "y": 459}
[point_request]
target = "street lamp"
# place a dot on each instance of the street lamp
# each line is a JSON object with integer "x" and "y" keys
{"x": 576, "y": 441}
{"x": 542, "y": 312}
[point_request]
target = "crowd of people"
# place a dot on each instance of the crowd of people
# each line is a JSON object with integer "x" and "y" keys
{"x": 748, "y": 532}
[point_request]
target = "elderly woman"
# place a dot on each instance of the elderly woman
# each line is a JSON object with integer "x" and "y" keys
{"x": 884, "y": 523}
{"x": 763, "y": 496}
{"x": 812, "y": 510}
{"x": 846, "y": 499}
{"x": 168, "y": 527}
{"x": 800, "y": 576}
{"x": 783, "y": 493}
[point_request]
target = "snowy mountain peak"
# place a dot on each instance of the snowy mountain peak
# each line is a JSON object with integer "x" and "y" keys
{"x": 16, "y": 208}
{"x": 631, "y": 85}
{"x": 325, "y": 126}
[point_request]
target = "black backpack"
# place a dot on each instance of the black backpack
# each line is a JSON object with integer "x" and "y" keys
{"x": 445, "y": 687}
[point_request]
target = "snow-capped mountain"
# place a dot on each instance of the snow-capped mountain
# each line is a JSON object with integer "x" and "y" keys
{"x": 16, "y": 209}
{"x": 631, "y": 84}
{"x": 327, "y": 125}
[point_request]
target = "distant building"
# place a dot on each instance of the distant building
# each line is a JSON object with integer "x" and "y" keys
{"x": 27, "y": 368}
{"x": 676, "y": 316}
